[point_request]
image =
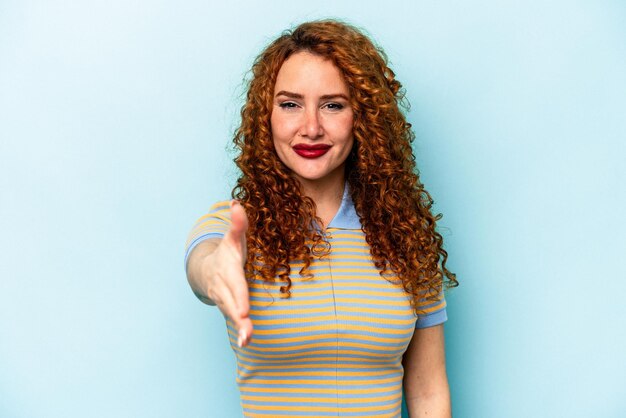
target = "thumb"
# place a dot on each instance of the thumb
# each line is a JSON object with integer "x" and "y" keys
{"x": 238, "y": 225}
{"x": 239, "y": 219}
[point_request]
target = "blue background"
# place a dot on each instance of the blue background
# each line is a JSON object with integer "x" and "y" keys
{"x": 115, "y": 123}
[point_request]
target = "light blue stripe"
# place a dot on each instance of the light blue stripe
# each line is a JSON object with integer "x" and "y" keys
{"x": 251, "y": 350}
{"x": 301, "y": 385}
{"x": 342, "y": 246}
{"x": 342, "y": 252}
{"x": 322, "y": 367}
{"x": 346, "y": 275}
{"x": 432, "y": 319}
{"x": 368, "y": 381}
{"x": 330, "y": 353}
{"x": 327, "y": 333}
{"x": 303, "y": 297}
{"x": 319, "y": 395}
{"x": 321, "y": 413}
{"x": 395, "y": 313}
{"x": 356, "y": 321}
{"x": 340, "y": 305}
{"x": 295, "y": 307}
{"x": 291, "y": 413}
{"x": 370, "y": 365}
{"x": 364, "y": 404}
{"x": 341, "y": 340}
{"x": 305, "y": 318}
{"x": 302, "y": 289}
{"x": 384, "y": 412}
{"x": 197, "y": 241}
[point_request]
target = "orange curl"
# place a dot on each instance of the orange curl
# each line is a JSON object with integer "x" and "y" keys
{"x": 392, "y": 204}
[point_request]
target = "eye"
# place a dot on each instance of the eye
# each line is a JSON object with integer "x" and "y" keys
{"x": 334, "y": 106}
{"x": 287, "y": 105}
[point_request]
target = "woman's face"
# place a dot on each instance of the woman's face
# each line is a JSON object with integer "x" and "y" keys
{"x": 312, "y": 119}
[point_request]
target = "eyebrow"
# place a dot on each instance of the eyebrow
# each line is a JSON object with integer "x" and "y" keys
{"x": 300, "y": 96}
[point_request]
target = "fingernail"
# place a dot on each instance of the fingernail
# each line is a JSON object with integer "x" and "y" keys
{"x": 242, "y": 338}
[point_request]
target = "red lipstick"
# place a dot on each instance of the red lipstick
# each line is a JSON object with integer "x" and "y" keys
{"x": 311, "y": 151}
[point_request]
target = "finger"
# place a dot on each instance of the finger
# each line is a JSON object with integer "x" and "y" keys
{"x": 233, "y": 297}
{"x": 227, "y": 304}
{"x": 241, "y": 297}
{"x": 240, "y": 293}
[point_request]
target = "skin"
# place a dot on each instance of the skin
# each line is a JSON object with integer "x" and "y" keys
{"x": 425, "y": 383}
{"x": 311, "y": 106}
{"x": 215, "y": 273}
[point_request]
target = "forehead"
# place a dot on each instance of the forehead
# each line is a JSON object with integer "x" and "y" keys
{"x": 306, "y": 72}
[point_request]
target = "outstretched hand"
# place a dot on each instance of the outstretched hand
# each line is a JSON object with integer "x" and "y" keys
{"x": 227, "y": 285}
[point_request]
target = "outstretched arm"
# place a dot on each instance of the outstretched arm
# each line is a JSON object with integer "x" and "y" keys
{"x": 215, "y": 273}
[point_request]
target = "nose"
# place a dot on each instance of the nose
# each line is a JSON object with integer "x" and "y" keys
{"x": 312, "y": 124}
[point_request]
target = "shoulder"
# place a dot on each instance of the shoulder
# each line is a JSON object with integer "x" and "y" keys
{"x": 213, "y": 224}
{"x": 218, "y": 214}
{"x": 220, "y": 210}
{"x": 215, "y": 221}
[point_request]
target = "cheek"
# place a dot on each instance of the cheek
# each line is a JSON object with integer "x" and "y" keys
{"x": 280, "y": 137}
{"x": 281, "y": 128}
{"x": 346, "y": 127}
{"x": 348, "y": 147}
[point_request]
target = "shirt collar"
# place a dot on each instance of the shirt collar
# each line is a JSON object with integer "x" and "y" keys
{"x": 346, "y": 217}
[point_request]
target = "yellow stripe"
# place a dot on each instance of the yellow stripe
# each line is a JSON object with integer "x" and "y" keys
{"x": 434, "y": 308}
{"x": 290, "y": 303}
{"x": 280, "y": 355}
{"x": 293, "y": 301}
{"x": 362, "y": 301}
{"x": 295, "y": 296}
{"x": 305, "y": 338}
{"x": 365, "y": 362}
{"x": 264, "y": 293}
{"x": 331, "y": 399}
{"x": 283, "y": 358}
{"x": 211, "y": 225}
{"x": 363, "y": 309}
{"x": 335, "y": 256}
{"x": 314, "y": 382}
{"x": 329, "y": 373}
{"x": 340, "y": 317}
{"x": 322, "y": 283}
{"x": 331, "y": 364}
{"x": 300, "y": 311}
{"x": 330, "y": 327}
{"x": 258, "y": 344}
{"x": 369, "y": 266}
{"x": 322, "y": 390}
{"x": 354, "y": 243}
{"x": 307, "y": 408}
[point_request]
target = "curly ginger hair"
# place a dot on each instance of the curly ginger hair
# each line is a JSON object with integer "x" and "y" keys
{"x": 391, "y": 202}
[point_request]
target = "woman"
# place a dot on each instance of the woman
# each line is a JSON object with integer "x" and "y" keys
{"x": 327, "y": 265}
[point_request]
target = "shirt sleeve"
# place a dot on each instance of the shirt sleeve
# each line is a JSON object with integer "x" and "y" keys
{"x": 212, "y": 225}
{"x": 431, "y": 312}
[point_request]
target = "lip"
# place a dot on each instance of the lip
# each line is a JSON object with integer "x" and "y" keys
{"x": 311, "y": 151}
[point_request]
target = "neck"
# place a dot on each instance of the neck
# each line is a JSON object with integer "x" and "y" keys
{"x": 327, "y": 195}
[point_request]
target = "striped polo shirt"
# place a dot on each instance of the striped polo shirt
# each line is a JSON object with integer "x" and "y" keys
{"x": 334, "y": 348}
